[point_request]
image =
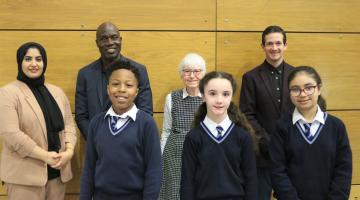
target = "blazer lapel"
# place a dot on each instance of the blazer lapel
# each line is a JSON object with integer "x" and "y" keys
{"x": 30, "y": 98}
{"x": 267, "y": 84}
{"x": 285, "y": 96}
{"x": 98, "y": 83}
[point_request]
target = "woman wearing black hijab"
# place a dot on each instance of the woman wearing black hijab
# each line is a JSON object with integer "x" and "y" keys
{"x": 37, "y": 130}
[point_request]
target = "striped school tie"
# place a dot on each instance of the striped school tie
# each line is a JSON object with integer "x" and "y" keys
{"x": 219, "y": 130}
{"x": 307, "y": 130}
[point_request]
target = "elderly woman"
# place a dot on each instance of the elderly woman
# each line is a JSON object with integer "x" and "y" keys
{"x": 37, "y": 130}
{"x": 179, "y": 111}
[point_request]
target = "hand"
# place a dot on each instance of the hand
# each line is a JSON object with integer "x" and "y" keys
{"x": 64, "y": 158}
{"x": 52, "y": 158}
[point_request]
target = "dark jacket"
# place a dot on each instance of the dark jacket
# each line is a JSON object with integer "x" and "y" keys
{"x": 259, "y": 104}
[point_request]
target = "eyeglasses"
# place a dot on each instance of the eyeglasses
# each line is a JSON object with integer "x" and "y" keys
{"x": 308, "y": 90}
{"x": 196, "y": 72}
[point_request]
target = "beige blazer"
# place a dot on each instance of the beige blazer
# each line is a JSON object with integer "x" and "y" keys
{"x": 22, "y": 128}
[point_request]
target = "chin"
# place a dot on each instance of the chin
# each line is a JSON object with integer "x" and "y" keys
{"x": 305, "y": 107}
{"x": 219, "y": 113}
{"x": 111, "y": 56}
{"x": 34, "y": 76}
{"x": 192, "y": 86}
{"x": 275, "y": 59}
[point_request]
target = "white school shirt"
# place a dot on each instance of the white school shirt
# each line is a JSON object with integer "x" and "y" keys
{"x": 211, "y": 125}
{"x": 124, "y": 117}
{"x": 315, "y": 123}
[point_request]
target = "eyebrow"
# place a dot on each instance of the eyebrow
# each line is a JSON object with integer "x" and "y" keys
{"x": 306, "y": 84}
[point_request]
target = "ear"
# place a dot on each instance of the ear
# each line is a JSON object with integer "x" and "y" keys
{"x": 285, "y": 46}
{"x": 262, "y": 46}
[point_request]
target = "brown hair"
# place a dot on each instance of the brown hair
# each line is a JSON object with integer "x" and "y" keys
{"x": 233, "y": 111}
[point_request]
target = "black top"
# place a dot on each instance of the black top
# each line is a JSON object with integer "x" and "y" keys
{"x": 261, "y": 106}
{"x": 275, "y": 76}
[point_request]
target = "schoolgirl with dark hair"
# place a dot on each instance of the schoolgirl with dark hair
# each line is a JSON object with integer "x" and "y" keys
{"x": 310, "y": 150}
{"x": 218, "y": 160}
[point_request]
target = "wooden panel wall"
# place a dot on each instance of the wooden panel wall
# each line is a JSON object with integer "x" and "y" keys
{"x": 128, "y": 14}
{"x": 304, "y": 16}
{"x": 227, "y": 33}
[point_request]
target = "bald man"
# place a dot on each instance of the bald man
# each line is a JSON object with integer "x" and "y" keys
{"x": 91, "y": 94}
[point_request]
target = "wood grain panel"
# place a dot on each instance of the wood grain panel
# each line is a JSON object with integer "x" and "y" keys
{"x": 351, "y": 120}
{"x": 355, "y": 192}
{"x": 333, "y": 55}
{"x": 304, "y": 16}
{"x": 127, "y": 14}
{"x": 159, "y": 120}
{"x": 68, "y": 51}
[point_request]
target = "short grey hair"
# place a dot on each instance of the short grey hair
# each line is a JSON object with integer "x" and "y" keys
{"x": 192, "y": 59}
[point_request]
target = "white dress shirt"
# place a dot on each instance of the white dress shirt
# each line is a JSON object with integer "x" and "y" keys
{"x": 315, "y": 123}
{"x": 211, "y": 125}
{"x": 124, "y": 117}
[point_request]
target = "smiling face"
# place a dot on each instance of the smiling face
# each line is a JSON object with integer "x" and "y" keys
{"x": 309, "y": 92}
{"x": 108, "y": 41}
{"x": 32, "y": 64}
{"x": 274, "y": 47}
{"x": 218, "y": 93}
{"x": 122, "y": 90}
{"x": 191, "y": 76}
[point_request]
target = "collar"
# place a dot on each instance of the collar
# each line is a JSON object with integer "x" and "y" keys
{"x": 297, "y": 116}
{"x": 131, "y": 113}
{"x": 225, "y": 124}
{"x": 186, "y": 94}
{"x": 103, "y": 70}
{"x": 271, "y": 68}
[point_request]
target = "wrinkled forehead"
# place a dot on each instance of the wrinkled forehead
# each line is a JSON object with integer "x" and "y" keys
{"x": 193, "y": 66}
{"x": 107, "y": 30}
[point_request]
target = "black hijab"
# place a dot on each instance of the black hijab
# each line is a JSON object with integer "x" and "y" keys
{"x": 51, "y": 111}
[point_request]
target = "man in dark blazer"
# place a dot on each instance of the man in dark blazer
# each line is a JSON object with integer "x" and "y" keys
{"x": 91, "y": 87}
{"x": 264, "y": 97}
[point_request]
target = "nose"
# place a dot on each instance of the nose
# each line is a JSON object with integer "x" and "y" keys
{"x": 302, "y": 93}
{"x": 218, "y": 99}
{"x": 122, "y": 88}
{"x": 273, "y": 46}
{"x": 33, "y": 62}
{"x": 192, "y": 74}
{"x": 110, "y": 41}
